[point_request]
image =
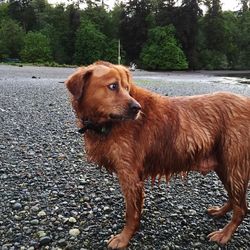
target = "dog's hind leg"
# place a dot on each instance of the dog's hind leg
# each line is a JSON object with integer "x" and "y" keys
{"x": 133, "y": 190}
{"x": 236, "y": 186}
{"x": 227, "y": 207}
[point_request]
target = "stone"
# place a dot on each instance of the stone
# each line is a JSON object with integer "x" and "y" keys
{"x": 74, "y": 232}
{"x": 41, "y": 214}
{"x": 17, "y": 206}
{"x": 45, "y": 241}
{"x": 72, "y": 220}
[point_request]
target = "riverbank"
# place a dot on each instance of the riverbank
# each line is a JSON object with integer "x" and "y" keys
{"x": 47, "y": 188}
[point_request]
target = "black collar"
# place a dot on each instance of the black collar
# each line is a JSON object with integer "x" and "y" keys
{"x": 98, "y": 128}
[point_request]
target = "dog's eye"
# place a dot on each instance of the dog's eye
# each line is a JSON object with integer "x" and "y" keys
{"x": 113, "y": 86}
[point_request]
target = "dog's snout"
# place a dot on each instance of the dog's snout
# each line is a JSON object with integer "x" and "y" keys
{"x": 134, "y": 106}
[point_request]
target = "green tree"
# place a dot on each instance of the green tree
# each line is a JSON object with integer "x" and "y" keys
{"x": 134, "y": 24}
{"x": 36, "y": 48}
{"x": 56, "y": 28}
{"x": 186, "y": 25}
{"x": 23, "y": 12}
{"x": 99, "y": 16}
{"x": 214, "y": 27}
{"x": 41, "y": 11}
{"x": 161, "y": 51}
{"x": 243, "y": 40}
{"x": 11, "y": 39}
{"x": 232, "y": 52}
{"x": 165, "y": 12}
{"x": 115, "y": 15}
{"x": 90, "y": 43}
{"x": 245, "y": 5}
{"x": 213, "y": 39}
{"x": 60, "y": 25}
{"x": 4, "y": 9}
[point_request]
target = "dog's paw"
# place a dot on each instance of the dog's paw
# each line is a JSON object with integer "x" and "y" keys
{"x": 118, "y": 242}
{"x": 220, "y": 237}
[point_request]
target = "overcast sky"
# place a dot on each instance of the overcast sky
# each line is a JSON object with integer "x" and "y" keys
{"x": 226, "y": 4}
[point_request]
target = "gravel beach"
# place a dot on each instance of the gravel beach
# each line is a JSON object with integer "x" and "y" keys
{"x": 51, "y": 198}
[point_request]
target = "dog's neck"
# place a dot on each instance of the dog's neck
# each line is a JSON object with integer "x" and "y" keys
{"x": 99, "y": 128}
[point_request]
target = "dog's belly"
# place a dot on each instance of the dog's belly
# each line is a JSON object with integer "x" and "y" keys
{"x": 205, "y": 165}
{"x": 159, "y": 166}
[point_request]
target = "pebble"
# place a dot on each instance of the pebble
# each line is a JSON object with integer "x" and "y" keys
{"x": 192, "y": 212}
{"x": 44, "y": 240}
{"x": 34, "y": 208}
{"x": 41, "y": 214}
{"x": 74, "y": 232}
{"x": 17, "y": 206}
{"x": 106, "y": 208}
{"x": 62, "y": 242}
{"x": 41, "y": 234}
{"x": 34, "y": 222}
{"x": 72, "y": 220}
{"x": 17, "y": 217}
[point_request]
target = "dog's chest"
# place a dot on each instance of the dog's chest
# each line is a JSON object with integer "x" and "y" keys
{"x": 108, "y": 153}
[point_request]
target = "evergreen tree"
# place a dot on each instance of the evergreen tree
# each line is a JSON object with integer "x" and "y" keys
{"x": 23, "y": 12}
{"x": 90, "y": 43}
{"x": 161, "y": 51}
{"x": 213, "y": 46}
{"x": 134, "y": 27}
{"x": 11, "y": 39}
{"x": 186, "y": 25}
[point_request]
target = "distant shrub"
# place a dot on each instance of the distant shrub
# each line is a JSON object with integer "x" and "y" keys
{"x": 162, "y": 52}
{"x": 210, "y": 59}
{"x": 36, "y": 48}
{"x": 90, "y": 43}
{"x": 11, "y": 39}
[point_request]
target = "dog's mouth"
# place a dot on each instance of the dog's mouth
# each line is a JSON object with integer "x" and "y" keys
{"x": 129, "y": 116}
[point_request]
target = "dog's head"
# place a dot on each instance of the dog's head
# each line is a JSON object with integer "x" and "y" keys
{"x": 101, "y": 92}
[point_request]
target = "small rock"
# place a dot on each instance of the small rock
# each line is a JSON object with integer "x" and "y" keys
{"x": 17, "y": 217}
{"x": 106, "y": 208}
{"x": 34, "y": 222}
{"x": 192, "y": 212}
{"x": 197, "y": 244}
{"x": 180, "y": 207}
{"x": 62, "y": 243}
{"x": 74, "y": 232}
{"x": 45, "y": 241}
{"x": 72, "y": 220}
{"x": 86, "y": 198}
{"x": 17, "y": 206}
{"x": 41, "y": 214}
{"x": 35, "y": 208}
{"x": 41, "y": 234}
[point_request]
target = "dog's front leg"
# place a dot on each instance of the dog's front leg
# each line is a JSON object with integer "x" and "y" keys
{"x": 133, "y": 190}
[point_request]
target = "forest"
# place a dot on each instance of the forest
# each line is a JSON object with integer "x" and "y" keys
{"x": 154, "y": 34}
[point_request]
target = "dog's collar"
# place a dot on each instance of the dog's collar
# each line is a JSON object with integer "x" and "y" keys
{"x": 98, "y": 128}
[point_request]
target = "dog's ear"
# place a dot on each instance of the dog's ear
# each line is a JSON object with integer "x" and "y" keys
{"x": 77, "y": 81}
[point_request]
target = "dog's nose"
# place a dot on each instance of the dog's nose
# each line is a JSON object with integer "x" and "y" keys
{"x": 134, "y": 107}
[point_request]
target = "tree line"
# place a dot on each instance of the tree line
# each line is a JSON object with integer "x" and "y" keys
{"x": 154, "y": 34}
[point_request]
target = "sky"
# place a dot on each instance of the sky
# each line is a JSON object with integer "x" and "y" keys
{"x": 226, "y": 4}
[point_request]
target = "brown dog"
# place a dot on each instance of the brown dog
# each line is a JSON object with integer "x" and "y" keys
{"x": 139, "y": 134}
